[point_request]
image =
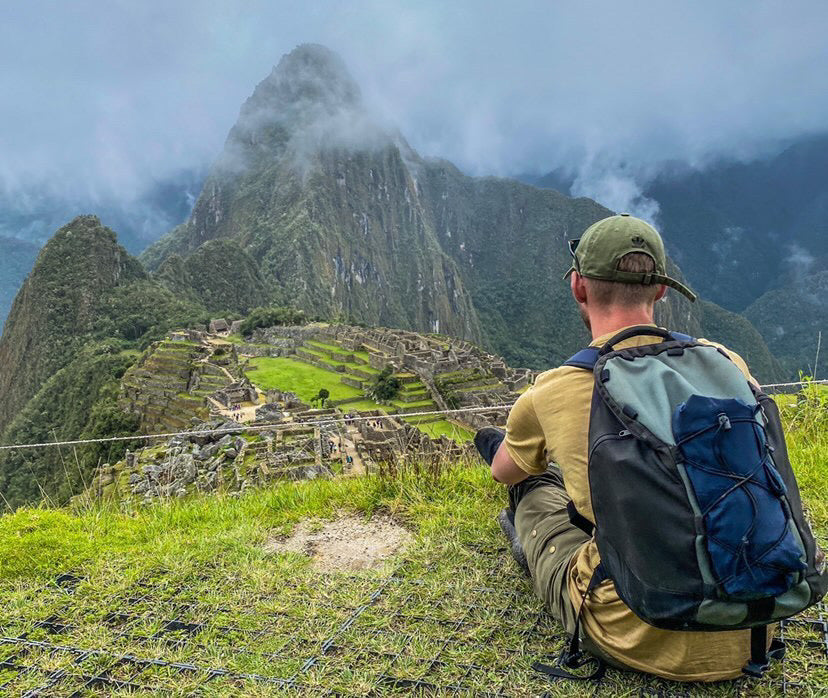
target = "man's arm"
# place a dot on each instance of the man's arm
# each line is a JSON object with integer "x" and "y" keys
{"x": 523, "y": 450}
{"x": 504, "y": 468}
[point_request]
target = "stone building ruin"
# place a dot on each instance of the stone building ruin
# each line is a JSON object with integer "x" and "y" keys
{"x": 194, "y": 380}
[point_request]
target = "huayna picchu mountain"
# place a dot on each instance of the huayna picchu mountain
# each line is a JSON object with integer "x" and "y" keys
{"x": 329, "y": 205}
{"x": 344, "y": 219}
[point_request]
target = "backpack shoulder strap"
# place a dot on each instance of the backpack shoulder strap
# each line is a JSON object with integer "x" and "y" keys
{"x": 585, "y": 359}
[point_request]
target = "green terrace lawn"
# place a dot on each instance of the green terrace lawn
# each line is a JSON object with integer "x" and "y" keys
{"x": 443, "y": 427}
{"x": 365, "y": 405}
{"x": 298, "y": 377}
{"x": 185, "y": 598}
{"x": 336, "y": 349}
{"x": 305, "y": 380}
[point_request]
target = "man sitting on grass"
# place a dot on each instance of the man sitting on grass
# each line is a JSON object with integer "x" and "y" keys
{"x": 543, "y": 458}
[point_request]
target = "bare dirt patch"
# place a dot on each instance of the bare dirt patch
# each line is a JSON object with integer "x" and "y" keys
{"x": 347, "y": 544}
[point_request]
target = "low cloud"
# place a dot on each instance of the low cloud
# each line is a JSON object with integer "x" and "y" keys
{"x": 109, "y": 98}
{"x": 616, "y": 191}
{"x": 800, "y": 262}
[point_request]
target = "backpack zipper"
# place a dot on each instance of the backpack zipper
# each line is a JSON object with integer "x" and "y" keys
{"x": 623, "y": 434}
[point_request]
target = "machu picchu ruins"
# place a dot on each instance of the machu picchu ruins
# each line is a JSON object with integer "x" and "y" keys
{"x": 293, "y": 402}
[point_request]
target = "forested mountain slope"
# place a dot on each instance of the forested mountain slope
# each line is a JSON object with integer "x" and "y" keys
{"x": 791, "y": 319}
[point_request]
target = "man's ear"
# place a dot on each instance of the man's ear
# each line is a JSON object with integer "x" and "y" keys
{"x": 578, "y": 285}
{"x": 661, "y": 293}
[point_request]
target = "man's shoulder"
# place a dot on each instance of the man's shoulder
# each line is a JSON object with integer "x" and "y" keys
{"x": 732, "y": 355}
{"x": 557, "y": 378}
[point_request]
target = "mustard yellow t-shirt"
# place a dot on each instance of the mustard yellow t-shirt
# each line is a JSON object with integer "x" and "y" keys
{"x": 550, "y": 423}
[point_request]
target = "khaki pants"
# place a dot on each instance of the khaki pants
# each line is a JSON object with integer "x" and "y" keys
{"x": 550, "y": 541}
{"x": 548, "y": 537}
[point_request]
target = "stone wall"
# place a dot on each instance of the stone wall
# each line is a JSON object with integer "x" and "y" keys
{"x": 227, "y": 460}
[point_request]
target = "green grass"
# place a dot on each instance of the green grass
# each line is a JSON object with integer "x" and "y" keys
{"x": 412, "y": 387}
{"x": 806, "y": 420}
{"x": 323, "y": 358}
{"x": 363, "y": 406}
{"x": 315, "y": 348}
{"x": 330, "y": 347}
{"x": 238, "y": 339}
{"x": 444, "y": 427}
{"x": 365, "y": 368}
{"x": 454, "y": 593}
{"x": 424, "y": 404}
{"x": 296, "y": 376}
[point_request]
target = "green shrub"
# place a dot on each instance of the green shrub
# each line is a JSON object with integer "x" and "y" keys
{"x": 385, "y": 387}
{"x": 271, "y": 317}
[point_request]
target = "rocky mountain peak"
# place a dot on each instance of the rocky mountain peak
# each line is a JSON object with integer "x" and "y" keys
{"x": 308, "y": 105}
{"x": 306, "y": 90}
{"x": 311, "y": 74}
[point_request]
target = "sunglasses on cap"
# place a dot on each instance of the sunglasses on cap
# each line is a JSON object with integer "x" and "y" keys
{"x": 573, "y": 245}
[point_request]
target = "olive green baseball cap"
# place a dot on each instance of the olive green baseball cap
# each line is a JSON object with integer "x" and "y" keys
{"x": 597, "y": 252}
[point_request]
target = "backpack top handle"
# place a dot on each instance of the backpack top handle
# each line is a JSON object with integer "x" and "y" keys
{"x": 641, "y": 331}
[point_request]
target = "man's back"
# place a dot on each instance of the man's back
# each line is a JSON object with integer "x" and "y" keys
{"x": 550, "y": 423}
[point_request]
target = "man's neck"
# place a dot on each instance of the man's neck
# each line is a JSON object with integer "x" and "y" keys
{"x": 616, "y": 319}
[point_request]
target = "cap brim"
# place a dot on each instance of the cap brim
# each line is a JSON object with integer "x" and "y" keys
{"x": 647, "y": 278}
{"x": 632, "y": 277}
{"x": 681, "y": 288}
{"x": 571, "y": 269}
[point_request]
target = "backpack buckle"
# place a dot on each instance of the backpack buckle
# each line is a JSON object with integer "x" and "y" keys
{"x": 760, "y": 655}
{"x": 755, "y": 669}
{"x": 574, "y": 660}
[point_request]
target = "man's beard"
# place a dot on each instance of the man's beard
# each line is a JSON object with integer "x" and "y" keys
{"x": 585, "y": 316}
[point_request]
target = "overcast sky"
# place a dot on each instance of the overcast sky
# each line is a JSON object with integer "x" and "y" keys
{"x": 100, "y": 96}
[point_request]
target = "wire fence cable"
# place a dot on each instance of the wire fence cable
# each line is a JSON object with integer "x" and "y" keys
{"x": 321, "y": 422}
{"x": 256, "y": 427}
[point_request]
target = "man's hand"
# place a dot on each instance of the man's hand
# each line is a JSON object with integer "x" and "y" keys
{"x": 491, "y": 447}
{"x": 504, "y": 468}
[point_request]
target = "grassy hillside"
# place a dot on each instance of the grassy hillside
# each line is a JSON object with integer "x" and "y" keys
{"x": 184, "y": 598}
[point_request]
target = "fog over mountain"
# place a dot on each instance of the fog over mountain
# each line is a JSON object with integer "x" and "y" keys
{"x": 109, "y": 98}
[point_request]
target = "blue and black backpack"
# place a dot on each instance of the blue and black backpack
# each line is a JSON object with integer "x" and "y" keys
{"x": 698, "y": 518}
